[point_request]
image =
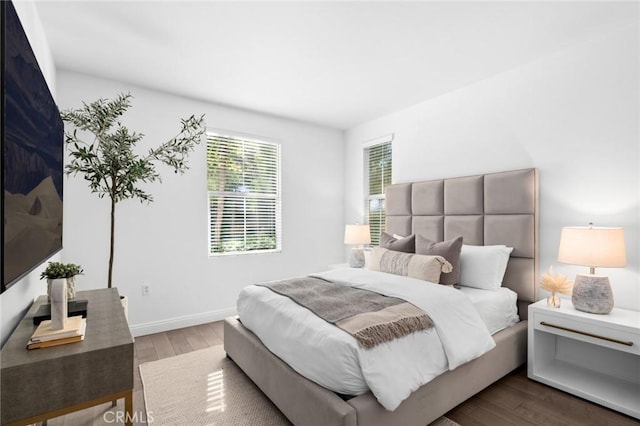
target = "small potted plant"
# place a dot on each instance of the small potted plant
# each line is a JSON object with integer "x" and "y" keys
{"x": 57, "y": 270}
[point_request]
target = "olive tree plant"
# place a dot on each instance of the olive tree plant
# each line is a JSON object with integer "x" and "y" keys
{"x": 108, "y": 161}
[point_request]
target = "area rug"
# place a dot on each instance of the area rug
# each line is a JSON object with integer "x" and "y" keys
{"x": 206, "y": 388}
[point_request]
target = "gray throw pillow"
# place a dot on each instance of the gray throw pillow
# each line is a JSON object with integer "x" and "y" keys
{"x": 449, "y": 249}
{"x": 405, "y": 245}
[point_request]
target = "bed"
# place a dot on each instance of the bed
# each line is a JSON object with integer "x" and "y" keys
{"x": 489, "y": 209}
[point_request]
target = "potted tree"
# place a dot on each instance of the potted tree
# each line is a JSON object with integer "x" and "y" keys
{"x": 68, "y": 271}
{"x": 109, "y": 162}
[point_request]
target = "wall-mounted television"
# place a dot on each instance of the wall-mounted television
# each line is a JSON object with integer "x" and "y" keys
{"x": 32, "y": 157}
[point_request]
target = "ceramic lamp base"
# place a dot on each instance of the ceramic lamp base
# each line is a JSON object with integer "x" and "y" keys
{"x": 356, "y": 258}
{"x": 592, "y": 293}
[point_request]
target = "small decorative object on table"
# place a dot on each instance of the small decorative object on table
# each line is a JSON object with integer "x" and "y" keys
{"x": 58, "y": 303}
{"x": 74, "y": 307}
{"x": 555, "y": 284}
{"x": 68, "y": 271}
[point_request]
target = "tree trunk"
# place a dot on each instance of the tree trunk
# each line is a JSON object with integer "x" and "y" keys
{"x": 111, "y": 246}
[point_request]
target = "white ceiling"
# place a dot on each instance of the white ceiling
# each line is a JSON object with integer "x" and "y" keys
{"x": 332, "y": 63}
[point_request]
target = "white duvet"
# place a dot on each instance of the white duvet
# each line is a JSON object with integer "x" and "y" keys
{"x": 333, "y": 359}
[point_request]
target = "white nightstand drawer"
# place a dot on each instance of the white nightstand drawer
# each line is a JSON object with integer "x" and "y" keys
{"x": 587, "y": 331}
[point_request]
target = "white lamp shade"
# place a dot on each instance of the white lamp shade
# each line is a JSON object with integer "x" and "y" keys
{"x": 593, "y": 247}
{"x": 357, "y": 234}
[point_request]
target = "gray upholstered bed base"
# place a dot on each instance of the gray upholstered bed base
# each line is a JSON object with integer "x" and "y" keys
{"x": 495, "y": 208}
{"x": 306, "y": 403}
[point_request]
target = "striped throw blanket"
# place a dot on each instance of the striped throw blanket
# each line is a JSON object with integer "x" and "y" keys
{"x": 371, "y": 318}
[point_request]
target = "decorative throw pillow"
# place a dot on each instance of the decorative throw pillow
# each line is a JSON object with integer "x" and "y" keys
{"x": 427, "y": 268}
{"x": 405, "y": 245}
{"x": 449, "y": 249}
{"x": 483, "y": 266}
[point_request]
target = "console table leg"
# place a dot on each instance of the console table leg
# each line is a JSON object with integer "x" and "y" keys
{"x": 128, "y": 408}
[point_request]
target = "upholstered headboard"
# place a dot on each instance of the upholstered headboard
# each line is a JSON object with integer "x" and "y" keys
{"x": 495, "y": 208}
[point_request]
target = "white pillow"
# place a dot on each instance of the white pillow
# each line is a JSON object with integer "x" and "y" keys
{"x": 483, "y": 266}
{"x": 367, "y": 257}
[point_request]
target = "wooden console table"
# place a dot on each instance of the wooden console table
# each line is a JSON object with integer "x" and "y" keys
{"x": 44, "y": 383}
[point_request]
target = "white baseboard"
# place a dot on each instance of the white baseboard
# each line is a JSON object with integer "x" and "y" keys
{"x": 180, "y": 322}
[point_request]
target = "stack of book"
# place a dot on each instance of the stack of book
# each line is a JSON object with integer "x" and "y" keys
{"x": 45, "y": 337}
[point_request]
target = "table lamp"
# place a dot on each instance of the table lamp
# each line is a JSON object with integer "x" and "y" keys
{"x": 592, "y": 247}
{"x": 357, "y": 235}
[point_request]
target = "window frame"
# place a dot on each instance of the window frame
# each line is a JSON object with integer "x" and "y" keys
{"x": 246, "y": 195}
{"x": 368, "y": 197}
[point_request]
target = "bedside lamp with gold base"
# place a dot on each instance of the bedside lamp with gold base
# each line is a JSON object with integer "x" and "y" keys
{"x": 592, "y": 247}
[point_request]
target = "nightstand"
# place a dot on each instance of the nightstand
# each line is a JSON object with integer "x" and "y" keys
{"x": 596, "y": 357}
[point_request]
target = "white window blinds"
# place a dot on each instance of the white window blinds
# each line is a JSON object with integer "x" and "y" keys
{"x": 377, "y": 169}
{"x": 243, "y": 179}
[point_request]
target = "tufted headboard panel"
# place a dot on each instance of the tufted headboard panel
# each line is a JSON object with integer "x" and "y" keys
{"x": 494, "y": 208}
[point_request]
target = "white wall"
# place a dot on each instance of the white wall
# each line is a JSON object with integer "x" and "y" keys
{"x": 17, "y": 299}
{"x": 574, "y": 115}
{"x": 164, "y": 244}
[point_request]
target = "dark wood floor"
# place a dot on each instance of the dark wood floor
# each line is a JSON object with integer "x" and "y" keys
{"x": 514, "y": 400}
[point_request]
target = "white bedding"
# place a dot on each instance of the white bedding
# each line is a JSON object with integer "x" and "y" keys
{"x": 332, "y": 358}
{"x": 498, "y": 308}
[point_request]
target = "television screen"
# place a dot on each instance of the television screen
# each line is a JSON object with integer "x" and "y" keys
{"x": 32, "y": 157}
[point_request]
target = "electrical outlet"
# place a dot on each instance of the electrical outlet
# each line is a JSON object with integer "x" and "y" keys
{"x": 146, "y": 289}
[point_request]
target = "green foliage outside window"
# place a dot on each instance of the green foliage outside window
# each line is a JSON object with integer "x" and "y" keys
{"x": 243, "y": 184}
{"x": 378, "y": 168}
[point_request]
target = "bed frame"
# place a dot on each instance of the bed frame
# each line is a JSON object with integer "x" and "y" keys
{"x": 496, "y": 208}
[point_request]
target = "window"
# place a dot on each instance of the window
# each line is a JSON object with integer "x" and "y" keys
{"x": 243, "y": 180}
{"x": 377, "y": 171}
